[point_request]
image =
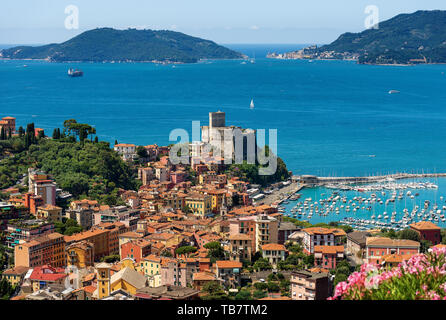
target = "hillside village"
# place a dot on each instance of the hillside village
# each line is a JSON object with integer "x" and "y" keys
{"x": 188, "y": 232}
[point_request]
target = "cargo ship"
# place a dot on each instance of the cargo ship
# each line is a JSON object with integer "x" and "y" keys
{"x": 75, "y": 73}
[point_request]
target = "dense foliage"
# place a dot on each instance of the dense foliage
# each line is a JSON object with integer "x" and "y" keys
{"x": 398, "y": 40}
{"x": 83, "y": 168}
{"x": 250, "y": 172}
{"x": 107, "y": 44}
{"x": 214, "y": 291}
{"x": 67, "y": 226}
{"x": 216, "y": 251}
{"x": 422, "y": 277}
{"x": 6, "y": 290}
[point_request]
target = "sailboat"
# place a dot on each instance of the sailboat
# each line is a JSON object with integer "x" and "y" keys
{"x": 251, "y": 106}
{"x": 253, "y": 60}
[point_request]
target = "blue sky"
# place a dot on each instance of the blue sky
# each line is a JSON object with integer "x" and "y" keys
{"x": 224, "y": 21}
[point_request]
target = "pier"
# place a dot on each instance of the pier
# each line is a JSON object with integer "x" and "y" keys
{"x": 314, "y": 180}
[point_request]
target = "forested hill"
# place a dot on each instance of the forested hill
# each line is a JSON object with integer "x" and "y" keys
{"x": 107, "y": 44}
{"x": 420, "y": 35}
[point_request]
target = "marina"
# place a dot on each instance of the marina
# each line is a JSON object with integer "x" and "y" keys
{"x": 391, "y": 204}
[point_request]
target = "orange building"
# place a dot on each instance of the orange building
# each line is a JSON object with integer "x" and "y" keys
{"x": 8, "y": 123}
{"x": 32, "y": 202}
{"x": 99, "y": 239}
{"x": 48, "y": 249}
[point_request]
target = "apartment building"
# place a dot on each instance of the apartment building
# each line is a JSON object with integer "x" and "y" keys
{"x": 240, "y": 247}
{"x": 47, "y": 249}
{"x": 266, "y": 230}
{"x": 26, "y": 230}
{"x": 317, "y": 236}
{"x": 377, "y": 247}
{"x": 306, "y": 285}
{"x": 274, "y": 252}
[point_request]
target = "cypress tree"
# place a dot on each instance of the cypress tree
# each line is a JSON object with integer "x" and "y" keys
{"x": 21, "y": 131}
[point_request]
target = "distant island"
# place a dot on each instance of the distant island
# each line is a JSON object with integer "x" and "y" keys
{"x": 131, "y": 45}
{"x": 406, "y": 39}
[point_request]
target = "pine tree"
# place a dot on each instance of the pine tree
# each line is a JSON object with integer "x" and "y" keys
{"x": 2, "y": 134}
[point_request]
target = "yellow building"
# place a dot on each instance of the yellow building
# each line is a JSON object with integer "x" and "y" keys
{"x": 128, "y": 280}
{"x": 199, "y": 204}
{"x": 15, "y": 275}
{"x": 49, "y": 212}
{"x": 150, "y": 265}
{"x": 104, "y": 288}
{"x": 80, "y": 254}
{"x": 218, "y": 197}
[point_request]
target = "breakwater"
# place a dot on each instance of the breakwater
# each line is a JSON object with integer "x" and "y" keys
{"x": 314, "y": 180}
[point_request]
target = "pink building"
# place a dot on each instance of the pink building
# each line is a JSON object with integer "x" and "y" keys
{"x": 327, "y": 256}
{"x": 47, "y": 190}
{"x": 178, "y": 176}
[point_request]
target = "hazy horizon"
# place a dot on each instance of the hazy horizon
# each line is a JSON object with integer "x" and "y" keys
{"x": 229, "y": 22}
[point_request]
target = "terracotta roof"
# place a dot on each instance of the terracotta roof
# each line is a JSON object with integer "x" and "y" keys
{"x": 319, "y": 270}
{"x": 329, "y": 249}
{"x": 273, "y": 246}
{"x": 152, "y": 258}
{"x": 84, "y": 235}
{"x": 18, "y": 270}
{"x": 203, "y": 276}
{"x": 319, "y": 230}
{"x": 425, "y": 225}
{"x": 226, "y": 264}
{"x": 48, "y": 273}
{"x": 49, "y": 207}
{"x": 42, "y": 239}
{"x": 124, "y": 145}
{"x": 89, "y": 289}
{"x": 131, "y": 234}
{"x": 382, "y": 241}
{"x": 396, "y": 258}
{"x": 240, "y": 236}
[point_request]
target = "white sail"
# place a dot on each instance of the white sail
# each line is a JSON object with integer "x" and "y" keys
{"x": 252, "y": 104}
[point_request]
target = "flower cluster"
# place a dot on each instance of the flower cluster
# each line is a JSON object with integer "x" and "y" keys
{"x": 423, "y": 277}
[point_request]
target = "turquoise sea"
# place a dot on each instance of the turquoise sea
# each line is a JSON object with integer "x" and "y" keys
{"x": 365, "y": 211}
{"x": 333, "y": 117}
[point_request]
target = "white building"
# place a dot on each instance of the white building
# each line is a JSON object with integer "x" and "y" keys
{"x": 126, "y": 151}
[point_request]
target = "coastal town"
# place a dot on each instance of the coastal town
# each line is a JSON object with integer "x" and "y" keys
{"x": 188, "y": 232}
{"x": 313, "y": 53}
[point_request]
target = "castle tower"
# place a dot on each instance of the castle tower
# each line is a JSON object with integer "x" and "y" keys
{"x": 217, "y": 119}
{"x": 103, "y": 270}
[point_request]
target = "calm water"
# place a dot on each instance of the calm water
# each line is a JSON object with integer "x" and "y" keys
{"x": 435, "y": 196}
{"x": 330, "y": 115}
